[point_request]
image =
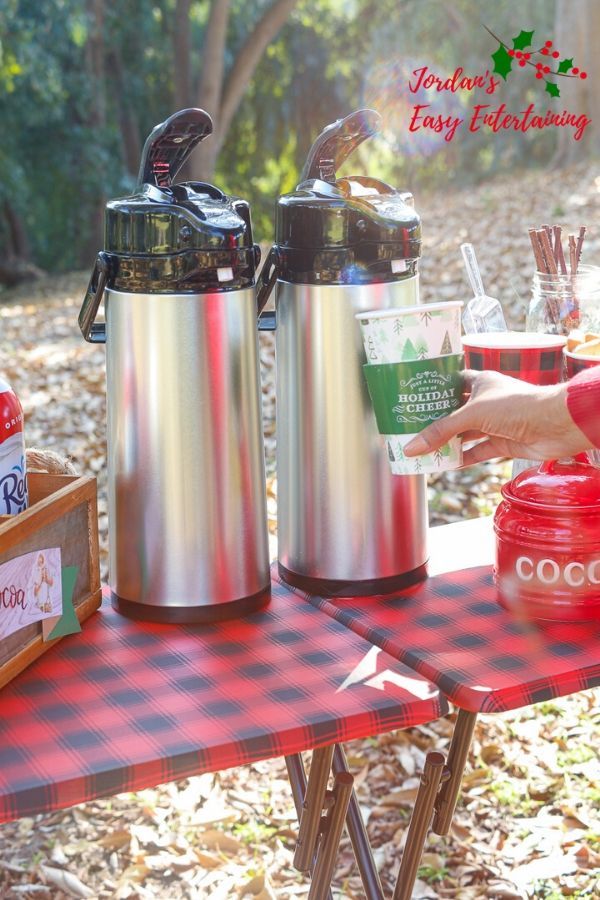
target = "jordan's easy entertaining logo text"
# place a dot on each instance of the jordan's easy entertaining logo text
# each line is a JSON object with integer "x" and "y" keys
{"x": 544, "y": 61}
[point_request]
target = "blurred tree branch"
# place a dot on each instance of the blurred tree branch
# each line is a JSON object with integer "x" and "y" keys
{"x": 248, "y": 58}
{"x": 221, "y": 95}
{"x": 210, "y": 85}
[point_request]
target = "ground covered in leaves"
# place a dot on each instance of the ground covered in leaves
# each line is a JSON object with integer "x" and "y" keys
{"x": 527, "y": 825}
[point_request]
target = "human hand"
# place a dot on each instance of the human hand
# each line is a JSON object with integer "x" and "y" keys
{"x": 507, "y": 417}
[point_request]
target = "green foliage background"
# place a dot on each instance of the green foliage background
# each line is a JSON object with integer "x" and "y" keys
{"x": 332, "y": 56}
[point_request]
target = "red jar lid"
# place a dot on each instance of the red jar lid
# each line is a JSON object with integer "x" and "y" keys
{"x": 557, "y": 486}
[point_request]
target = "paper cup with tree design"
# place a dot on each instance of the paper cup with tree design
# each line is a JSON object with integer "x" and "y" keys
{"x": 412, "y": 332}
{"x": 414, "y": 376}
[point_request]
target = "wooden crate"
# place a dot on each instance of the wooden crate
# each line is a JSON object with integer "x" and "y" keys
{"x": 62, "y": 513}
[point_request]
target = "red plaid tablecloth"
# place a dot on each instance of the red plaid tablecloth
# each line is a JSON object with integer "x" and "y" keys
{"x": 124, "y": 705}
{"x": 452, "y": 630}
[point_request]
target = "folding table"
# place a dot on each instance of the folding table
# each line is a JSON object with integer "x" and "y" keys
{"x": 124, "y": 705}
{"x": 452, "y": 630}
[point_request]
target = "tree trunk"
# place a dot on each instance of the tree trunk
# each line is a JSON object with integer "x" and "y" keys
{"x": 128, "y": 124}
{"x": 18, "y": 242}
{"x": 247, "y": 60}
{"x": 15, "y": 263}
{"x": 577, "y": 33}
{"x": 220, "y": 101}
{"x": 96, "y": 119}
{"x": 202, "y": 161}
{"x": 96, "y": 68}
{"x": 182, "y": 53}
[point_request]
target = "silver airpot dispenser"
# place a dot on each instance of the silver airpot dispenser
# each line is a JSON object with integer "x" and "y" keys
{"x": 186, "y": 479}
{"x": 346, "y": 525}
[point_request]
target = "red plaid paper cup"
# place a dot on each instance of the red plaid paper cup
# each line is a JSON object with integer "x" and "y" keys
{"x": 575, "y": 362}
{"x": 532, "y": 357}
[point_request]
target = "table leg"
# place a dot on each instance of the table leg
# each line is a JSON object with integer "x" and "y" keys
{"x": 330, "y": 842}
{"x": 297, "y": 779}
{"x": 312, "y": 797}
{"x": 358, "y": 836}
{"x": 457, "y": 758}
{"x": 354, "y": 823}
{"x": 419, "y": 823}
{"x": 312, "y": 807}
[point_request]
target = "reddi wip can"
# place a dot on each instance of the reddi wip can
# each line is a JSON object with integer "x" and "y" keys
{"x": 13, "y": 480}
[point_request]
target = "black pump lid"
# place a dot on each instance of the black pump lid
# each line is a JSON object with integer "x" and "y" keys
{"x": 348, "y": 230}
{"x": 178, "y": 237}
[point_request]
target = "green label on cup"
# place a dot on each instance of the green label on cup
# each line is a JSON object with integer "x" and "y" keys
{"x": 407, "y": 396}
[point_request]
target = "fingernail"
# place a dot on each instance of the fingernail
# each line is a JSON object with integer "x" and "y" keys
{"x": 415, "y": 447}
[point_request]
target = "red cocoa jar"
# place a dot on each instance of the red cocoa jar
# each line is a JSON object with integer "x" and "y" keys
{"x": 548, "y": 542}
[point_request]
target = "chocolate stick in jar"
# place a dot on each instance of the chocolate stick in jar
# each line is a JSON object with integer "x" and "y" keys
{"x": 572, "y": 255}
{"x": 537, "y": 251}
{"x": 546, "y": 266}
{"x": 553, "y": 300}
{"x": 547, "y": 250}
{"x": 575, "y": 264}
{"x": 558, "y": 250}
{"x": 579, "y": 247}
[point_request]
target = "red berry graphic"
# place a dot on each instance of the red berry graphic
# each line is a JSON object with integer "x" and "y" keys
{"x": 528, "y": 56}
{"x": 583, "y": 75}
{"x": 546, "y": 69}
{"x": 538, "y": 75}
{"x": 522, "y": 62}
{"x": 544, "y": 51}
{"x": 518, "y": 54}
{"x": 511, "y": 52}
{"x": 548, "y": 43}
{"x": 575, "y": 70}
{"x": 556, "y": 54}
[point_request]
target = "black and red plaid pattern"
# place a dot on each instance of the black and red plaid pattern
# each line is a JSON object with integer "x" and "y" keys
{"x": 126, "y": 705}
{"x": 535, "y": 365}
{"x": 452, "y": 630}
{"x": 576, "y": 364}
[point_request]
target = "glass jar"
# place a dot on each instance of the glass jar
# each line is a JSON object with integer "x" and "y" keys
{"x": 560, "y": 303}
{"x": 547, "y": 531}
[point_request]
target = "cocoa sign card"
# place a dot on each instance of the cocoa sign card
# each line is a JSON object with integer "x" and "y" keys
{"x": 30, "y": 589}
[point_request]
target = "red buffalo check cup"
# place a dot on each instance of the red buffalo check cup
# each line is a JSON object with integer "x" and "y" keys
{"x": 536, "y": 358}
{"x": 576, "y": 362}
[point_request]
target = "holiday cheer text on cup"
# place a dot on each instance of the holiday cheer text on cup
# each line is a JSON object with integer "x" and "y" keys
{"x": 483, "y": 115}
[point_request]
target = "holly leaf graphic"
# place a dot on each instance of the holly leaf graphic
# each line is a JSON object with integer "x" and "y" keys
{"x": 523, "y": 40}
{"x": 552, "y": 89}
{"x": 502, "y": 61}
{"x": 564, "y": 66}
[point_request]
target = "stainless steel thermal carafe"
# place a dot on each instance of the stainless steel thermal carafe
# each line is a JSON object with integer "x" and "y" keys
{"x": 346, "y": 525}
{"x": 186, "y": 481}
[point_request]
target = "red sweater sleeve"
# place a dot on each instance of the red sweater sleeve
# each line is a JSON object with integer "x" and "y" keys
{"x": 583, "y": 402}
